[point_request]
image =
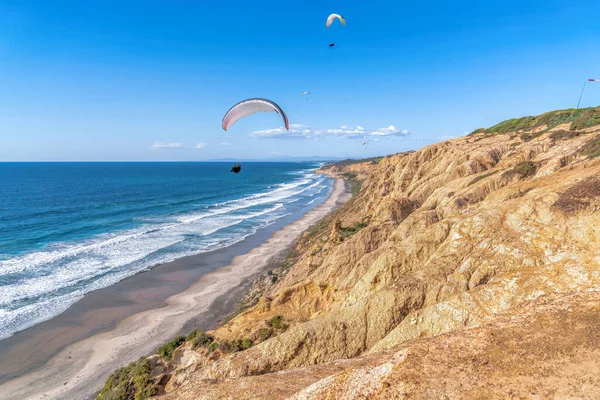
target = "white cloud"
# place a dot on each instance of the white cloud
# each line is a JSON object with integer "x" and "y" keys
{"x": 225, "y": 143}
{"x": 296, "y": 131}
{"x": 161, "y": 145}
{"x": 390, "y": 131}
{"x": 201, "y": 145}
{"x": 347, "y": 131}
{"x": 343, "y": 132}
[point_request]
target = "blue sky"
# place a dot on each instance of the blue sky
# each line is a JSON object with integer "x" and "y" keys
{"x": 150, "y": 80}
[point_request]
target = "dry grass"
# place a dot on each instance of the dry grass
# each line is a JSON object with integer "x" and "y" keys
{"x": 563, "y": 135}
{"x": 592, "y": 148}
{"x": 579, "y": 196}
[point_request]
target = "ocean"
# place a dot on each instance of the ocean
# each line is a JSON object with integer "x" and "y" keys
{"x": 70, "y": 228}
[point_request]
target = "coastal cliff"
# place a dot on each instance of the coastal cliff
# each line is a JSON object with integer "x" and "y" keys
{"x": 469, "y": 268}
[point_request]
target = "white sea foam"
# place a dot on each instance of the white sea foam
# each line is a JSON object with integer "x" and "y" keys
{"x": 45, "y": 283}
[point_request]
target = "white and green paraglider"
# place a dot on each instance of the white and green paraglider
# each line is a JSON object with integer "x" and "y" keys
{"x": 305, "y": 95}
{"x": 249, "y": 107}
{"x": 330, "y": 21}
{"x": 333, "y": 17}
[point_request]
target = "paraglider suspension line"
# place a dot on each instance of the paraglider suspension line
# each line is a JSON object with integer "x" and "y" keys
{"x": 581, "y": 95}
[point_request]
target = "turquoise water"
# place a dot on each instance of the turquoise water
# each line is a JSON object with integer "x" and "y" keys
{"x": 70, "y": 228}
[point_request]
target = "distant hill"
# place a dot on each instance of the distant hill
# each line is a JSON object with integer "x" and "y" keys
{"x": 279, "y": 159}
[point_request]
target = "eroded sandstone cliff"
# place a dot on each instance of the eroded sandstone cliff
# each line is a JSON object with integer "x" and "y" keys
{"x": 454, "y": 270}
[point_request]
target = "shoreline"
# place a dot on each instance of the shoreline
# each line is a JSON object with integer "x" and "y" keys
{"x": 78, "y": 370}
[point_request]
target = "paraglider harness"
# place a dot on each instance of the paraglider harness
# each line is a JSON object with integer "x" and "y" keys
{"x": 236, "y": 168}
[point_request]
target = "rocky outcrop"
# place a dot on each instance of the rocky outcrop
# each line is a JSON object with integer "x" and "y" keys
{"x": 445, "y": 238}
{"x": 525, "y": 353}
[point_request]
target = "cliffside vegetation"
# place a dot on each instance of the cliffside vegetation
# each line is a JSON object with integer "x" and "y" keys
{"x": 531, "y": 127}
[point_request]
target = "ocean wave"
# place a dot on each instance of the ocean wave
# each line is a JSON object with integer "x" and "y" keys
{"x": 43, "y": 263}
{"x": 280, "y": 188}
{"x": 13, "y": 320}
{"x": 63, "y": 250}
{"x": 39, "y": 285}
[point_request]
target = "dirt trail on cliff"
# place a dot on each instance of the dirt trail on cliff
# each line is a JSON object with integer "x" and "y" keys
{"x": 497, "y": 233}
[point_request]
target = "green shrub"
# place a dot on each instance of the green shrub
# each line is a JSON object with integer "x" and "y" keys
{"x": 167, "y": 350}
{"x": 526, "y": 168}
{"x": 243, "y": 344}
{"x": 141, "y": 380}
{"x": 589, "y": 117}
{"x": 352, "y": 230}
{"x": 200, "y": 339}
{"x": 512, "y": 125}
{"x": 129, "y": 383}
{"x": 527, "y": 136}
{"x": 212, "y": 347}
{"x": 264, "y": 334}
{"x": 193, "y": 334}
{"x": 225, "y": 346}
{"x": 277, "y": 323}
{"x": 592, "y": 148}
{"x": 480, "y": 177}
{"x": 592, "y": 122}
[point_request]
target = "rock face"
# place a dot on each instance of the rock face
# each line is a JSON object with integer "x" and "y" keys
{"x": 489, "y": 232}
{"x": 526, "y": 353}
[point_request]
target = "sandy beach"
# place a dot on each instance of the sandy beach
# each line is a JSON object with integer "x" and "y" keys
{"x": 79, "y": 369}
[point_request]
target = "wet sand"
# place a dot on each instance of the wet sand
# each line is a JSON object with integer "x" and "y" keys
{"x": 71, "y": 355}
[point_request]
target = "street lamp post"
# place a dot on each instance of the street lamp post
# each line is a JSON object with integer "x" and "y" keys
{"x": 583, "y": 88}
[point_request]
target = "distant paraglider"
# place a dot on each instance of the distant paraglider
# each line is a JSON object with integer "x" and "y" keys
{"x": 365, "y": 144}
{"x": 333, "y": 17}
{"x": 252, "y": 106}
{"x": 330, "y": 20}
{"x": 256, "y": 105}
